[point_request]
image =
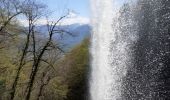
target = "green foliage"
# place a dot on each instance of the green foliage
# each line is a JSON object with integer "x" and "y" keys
{"x": 77, "y": 63}
{"x": 70, "y": 82}
{"x": 2, "y": 88}
{"x": 2, "y": 84}
{"x": 56, "y": 90}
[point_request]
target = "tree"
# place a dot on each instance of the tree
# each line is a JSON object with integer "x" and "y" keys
{"x": 76, "y": 65}
{"x": 32, "y": 50}
{"x": 31, "y": 11}
{"x": 34, "y": 57}
{"x": 8, "y": 12}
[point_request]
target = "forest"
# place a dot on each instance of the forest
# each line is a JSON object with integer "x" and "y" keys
{"x": 33, "y": 64}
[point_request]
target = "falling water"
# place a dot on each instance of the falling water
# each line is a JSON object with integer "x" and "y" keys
{"x": 130, "y": 50}
{"x": 101, "y": 79}
{"x": 110, "y": 54}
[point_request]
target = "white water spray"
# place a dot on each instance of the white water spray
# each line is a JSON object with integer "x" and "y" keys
{"x": 110, "y": 54}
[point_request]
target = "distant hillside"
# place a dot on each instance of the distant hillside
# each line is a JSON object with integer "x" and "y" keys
{"x": 79, "y": 33}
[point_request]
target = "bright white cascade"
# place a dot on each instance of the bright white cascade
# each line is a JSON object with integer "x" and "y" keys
{"x": 109, "y": 50}
{"x": 101, "y": 37}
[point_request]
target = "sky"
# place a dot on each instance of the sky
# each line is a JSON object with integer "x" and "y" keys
{"x": 80, "y": 11}
{"x": 81, "y": 7}
{"x": 59, "y": 8}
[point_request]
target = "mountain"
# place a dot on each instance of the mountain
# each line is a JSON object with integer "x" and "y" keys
{"x": 77, "y": 25}
{"x": 78, "y": 32}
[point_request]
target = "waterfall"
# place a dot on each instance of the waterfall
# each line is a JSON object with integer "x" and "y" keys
{"x": 130, "y": 48}
{"x": 110, "y": 54}
{"x": 101, "y": 79}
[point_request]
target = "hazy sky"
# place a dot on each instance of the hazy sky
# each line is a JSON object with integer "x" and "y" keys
{"x": 58, "y": 6}
{"x": 82, "y": 7}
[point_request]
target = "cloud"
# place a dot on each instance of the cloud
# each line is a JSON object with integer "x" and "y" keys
{"x": 25, "y": 23}
{"x": 80, "y": 20}
{"x": 71, "y": 19}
